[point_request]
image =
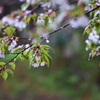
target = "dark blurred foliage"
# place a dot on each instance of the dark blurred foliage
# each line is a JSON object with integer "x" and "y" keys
{"x": 70, "y": 75}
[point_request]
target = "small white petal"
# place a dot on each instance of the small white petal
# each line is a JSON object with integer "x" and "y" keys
{"x": 12, "y": 45}
{"x": 20, "y": 46}
{"x": 35, "y": 65}
{"x": 47, "y": 41}
{"x": 2, "y": 55}
{"x": 24, "y": 8}
{"x": 37, "y": 58}
{"x": 88, "y": 42}
{"x": 86, "y": 48}
{"x": 42, "y": 63}
{"x": 40, "y": 21}
{"x": 27, "y": 46}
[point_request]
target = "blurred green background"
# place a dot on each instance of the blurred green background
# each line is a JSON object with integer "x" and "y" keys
{"x": 70, "y": 75}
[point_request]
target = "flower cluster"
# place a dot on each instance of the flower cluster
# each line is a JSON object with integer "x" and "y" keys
{"x": 36, "y": 55}
{"x": 77, "y": 22}
{"x": 15, "y": 22}
{"x": 93, "y": 31}
{"x": 12, "y": 45}
{"x": 93, "y": 38}
{"x": 38, "y": 62}
{"x": 42, "y": 18}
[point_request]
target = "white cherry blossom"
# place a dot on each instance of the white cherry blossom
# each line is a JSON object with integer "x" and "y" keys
{"x": 37, "y": 58}
{"x": 81, "y": 21}
{"x": 27, "y": 46}
{"x": 12, "y": 45}
{"x": 2, "y": 55}
{"x": 35, "y": 64}
{"x": 42, "y": 63}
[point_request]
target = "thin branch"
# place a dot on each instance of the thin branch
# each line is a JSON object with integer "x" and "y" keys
{"x": 69, "y": 23}
{"x": 18, "y": 54}
{"x": 59, "y": 28}
{"x": 12, "y": 59}
{"x": 92, "y": 10}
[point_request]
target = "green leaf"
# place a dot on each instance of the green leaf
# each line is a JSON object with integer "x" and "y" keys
{"x": 47, "y": 46}
{"x": 45, "y": 52}
{"x": 45, "y": 59}
{"x": 2, "y": 63}
{"x": 12, "y": 64}
{"x": 29, "y": 54}
{"x": 15, "y": 50}
{"x": 30, "y": 61}
{"x": 10, "y": 71}
{"x": 25, "y": 55}
{"x": 10, "y": 30}
{"x": 27, "y": 19}
{"x": 25, "y": 4}
{"x": 93, "y": 54}
{"x": 34, "y": 17}
{"x": 3, "y": 47}
{"x": 4, "y": 75}
{"x": 88, "y": 29}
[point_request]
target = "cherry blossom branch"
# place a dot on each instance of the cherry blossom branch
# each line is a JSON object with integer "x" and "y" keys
{"x": 49, "y": 34}
{"x": 12, "y": 59}
{"x": 64, "y": 26}
{"x": 17, "y": 54}
{"x": 91, "y": 10}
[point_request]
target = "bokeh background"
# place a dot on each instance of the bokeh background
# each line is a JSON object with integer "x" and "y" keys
{"x": 70, "y": 76}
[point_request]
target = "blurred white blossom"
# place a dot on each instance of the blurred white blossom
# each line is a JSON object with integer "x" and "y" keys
{"x": 8, "y": 20}
{"x": 25, "y": 7}
{"x": 20, "y": 46}
{"x": 42, "y": 63}
{"x": 81, "y": 21}
{"x": 12, "y": 45}
{"x": 47, "y": 4}
{"x": 97, "y": 13}
{"x": 93, "y": 37}
{"x": 27, "y": 46}
{"x": 35, "y": 64}
{"x": 2, "y": 55}
{"x": 32, "y": 1}
{"x": 40, "y": 21}
{"x": 37, "y": 58}
{"x": 15, "y": 22}
{"x": 19, "y": 24}
{"x": 47, "y": 41}
{"x": 88, "y": 42}
{"x": 57, "y": 20}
